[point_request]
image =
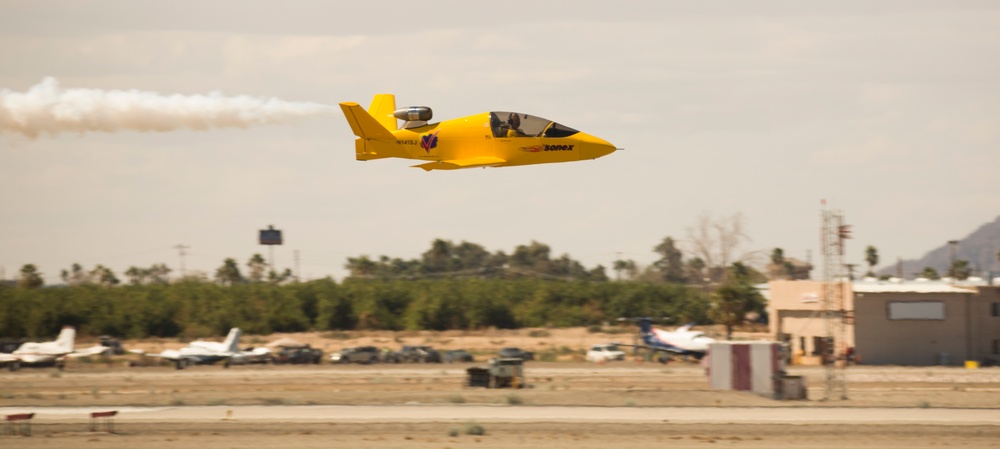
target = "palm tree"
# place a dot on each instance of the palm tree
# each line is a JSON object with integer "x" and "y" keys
{"x": 779, "y": 266}
{"x": 104, "y": 276}
{"x": 960, "y": 270}
{"x": 871, "y": 256}
{"x": 159, "y": 273}
{"x": 30, "y": 277}
{"x": 438, "y": 259}
{"x": 619, "y": 266}
{"x": 229, "y": 273}
{"x": 135, "y": 275}
{"x": 671, "y": 264}
{"x": 360, "y": 266}
{"x": 257, "y": 265}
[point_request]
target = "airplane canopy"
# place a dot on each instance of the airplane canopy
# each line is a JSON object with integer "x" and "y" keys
{"x": 516, "y": 124}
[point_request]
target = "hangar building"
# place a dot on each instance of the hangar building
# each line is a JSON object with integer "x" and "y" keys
{"x": 892, "y": 323}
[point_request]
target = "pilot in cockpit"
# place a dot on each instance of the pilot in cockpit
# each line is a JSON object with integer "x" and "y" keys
{"x": 514, "y": 126}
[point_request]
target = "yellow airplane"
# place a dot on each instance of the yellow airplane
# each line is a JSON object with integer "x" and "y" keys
{"x": 490, "y": 139}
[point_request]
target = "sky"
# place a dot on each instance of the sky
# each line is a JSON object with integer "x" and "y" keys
{"x": 889, "y": 110}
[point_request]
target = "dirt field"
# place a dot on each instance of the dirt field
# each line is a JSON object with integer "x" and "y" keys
{"x": 505, "y": 435}
{"x": 883, "y": 397}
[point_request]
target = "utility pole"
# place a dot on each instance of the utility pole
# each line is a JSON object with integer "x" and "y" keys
{"x": 850, "y": 270}
{"x": 952, "y": 244}
{"x": 298, "y": 274}
{"x": 181, "y": 251}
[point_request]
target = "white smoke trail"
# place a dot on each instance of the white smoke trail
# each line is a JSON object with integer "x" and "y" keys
{"x": 47, "y": 108}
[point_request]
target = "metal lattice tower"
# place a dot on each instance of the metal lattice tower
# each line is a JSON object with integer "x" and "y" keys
{"x": 834, "y": 314}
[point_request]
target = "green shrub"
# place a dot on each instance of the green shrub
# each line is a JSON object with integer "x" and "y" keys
{"x": 474, "y": 429}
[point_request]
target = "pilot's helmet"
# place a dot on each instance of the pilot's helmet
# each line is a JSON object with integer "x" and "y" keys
{"x": 514, "y": 120}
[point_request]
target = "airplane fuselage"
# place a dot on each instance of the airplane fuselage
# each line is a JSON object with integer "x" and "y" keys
{"x": 489, "y": 139}
{"x": 472, "y": 137}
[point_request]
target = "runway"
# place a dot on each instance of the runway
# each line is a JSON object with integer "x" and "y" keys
{"x": 513, "y": 414}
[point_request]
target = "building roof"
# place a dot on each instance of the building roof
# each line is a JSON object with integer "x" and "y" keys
{"x": 909, "y": 287}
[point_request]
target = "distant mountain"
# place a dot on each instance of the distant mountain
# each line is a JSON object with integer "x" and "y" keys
{"x": 979, "y": 248}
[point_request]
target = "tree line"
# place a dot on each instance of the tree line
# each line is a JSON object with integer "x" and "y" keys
{"x": 197, "y": 309}
{"x": 450, "y": 286}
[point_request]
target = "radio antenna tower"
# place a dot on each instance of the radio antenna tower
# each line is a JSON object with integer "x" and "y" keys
{"x": 834, "y": 233}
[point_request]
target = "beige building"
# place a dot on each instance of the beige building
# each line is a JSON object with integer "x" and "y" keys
{"x": 795, "y": 310}
{"x": 910, "y": 323}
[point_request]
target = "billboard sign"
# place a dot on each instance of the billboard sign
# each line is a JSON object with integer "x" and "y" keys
{"x": 270, "y": 236}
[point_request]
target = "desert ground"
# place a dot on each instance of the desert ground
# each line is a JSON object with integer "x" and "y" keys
{"x": 567, "y": 403}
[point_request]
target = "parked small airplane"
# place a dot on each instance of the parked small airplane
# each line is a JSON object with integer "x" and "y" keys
{"x": 682, "y": 341}
{"x": 205, "y": 352}
{"x": 489, "y": 139}
{"x": 51, "y": 353}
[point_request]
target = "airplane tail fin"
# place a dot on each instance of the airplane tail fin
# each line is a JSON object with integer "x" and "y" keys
{"x": 382, "y": 109}
{"x": 232, "y": 343}
{"x": 363, "y": 124}
{"x": 375, "y": 140}
{"x": 66, "y": 339}
{"x": 645, "y": 326}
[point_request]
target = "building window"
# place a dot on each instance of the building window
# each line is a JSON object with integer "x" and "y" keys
{"x": 916, "y": 310}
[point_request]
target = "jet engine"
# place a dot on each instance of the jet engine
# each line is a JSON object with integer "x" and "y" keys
{"x": 414, "y": 114}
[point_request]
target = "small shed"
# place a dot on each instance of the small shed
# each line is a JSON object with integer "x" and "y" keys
{"x": 745, "y": 366}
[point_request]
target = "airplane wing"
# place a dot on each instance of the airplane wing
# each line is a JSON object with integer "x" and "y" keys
{"x": 86, "y": 352}
{"x": 671, "y": 350}
{"x": 454, "y": 164}
{"x": 169, "y": 354}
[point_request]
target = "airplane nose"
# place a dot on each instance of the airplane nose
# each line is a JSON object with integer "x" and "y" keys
{"x": 593, "y": 147}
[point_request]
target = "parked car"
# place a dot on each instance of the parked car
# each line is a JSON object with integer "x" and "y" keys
{"x": 361, "y": 354}
{"x": 605, "y": 353}
{"x": 113, "y": 344}
{"x": 414, "y": 354}
{"x": 457, "y": 355}
{"x": 297, "y": 356}
{"x": 251, "y": 355}
{"x": 516, "y": 353}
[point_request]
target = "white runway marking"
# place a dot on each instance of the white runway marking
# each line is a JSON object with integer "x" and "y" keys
{"x": 462, "y": 413}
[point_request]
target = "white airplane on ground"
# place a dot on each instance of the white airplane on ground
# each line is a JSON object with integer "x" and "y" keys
{"x": 682, "y": 341}
{"x": 206, "y": 352}
{"x": 50, "y": 353}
